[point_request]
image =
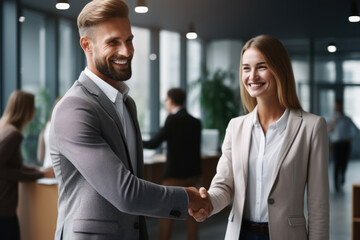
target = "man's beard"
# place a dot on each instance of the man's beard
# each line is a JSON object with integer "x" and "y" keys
{"x": 109, "y": 71}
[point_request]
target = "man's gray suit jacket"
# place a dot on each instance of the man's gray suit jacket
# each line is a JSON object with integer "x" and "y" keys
{"x": 99, "y": 195}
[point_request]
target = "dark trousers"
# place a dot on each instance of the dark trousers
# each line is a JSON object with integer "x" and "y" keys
{"x": 9, "y": 228}
{"x": 246, "y": 234}
{"x": 341, "y": 152}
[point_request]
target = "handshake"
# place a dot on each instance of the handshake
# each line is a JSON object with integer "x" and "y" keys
{"x": 200, "y": 206}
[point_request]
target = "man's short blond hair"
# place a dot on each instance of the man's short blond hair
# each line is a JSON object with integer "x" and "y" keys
{"x": 98, "y": 11}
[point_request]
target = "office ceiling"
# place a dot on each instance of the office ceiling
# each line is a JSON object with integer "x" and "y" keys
{"x": 236, "y": 19}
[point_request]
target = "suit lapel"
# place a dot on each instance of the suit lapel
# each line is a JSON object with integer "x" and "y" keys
{"x": 292, "y": 129}
{"x": 245, "y": 144}
{"x": 130, "y": 104}
{"x": 107, "y": 106}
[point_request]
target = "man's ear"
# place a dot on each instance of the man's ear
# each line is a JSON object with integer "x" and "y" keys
{"x": 85, "y": 44}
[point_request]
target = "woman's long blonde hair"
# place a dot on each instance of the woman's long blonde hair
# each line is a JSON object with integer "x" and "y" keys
{"x": 279, "y": 63}
{"x": 20, "y": 109}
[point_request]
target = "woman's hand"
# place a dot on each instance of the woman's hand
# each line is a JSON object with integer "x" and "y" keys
{"x": 202, "y": 213}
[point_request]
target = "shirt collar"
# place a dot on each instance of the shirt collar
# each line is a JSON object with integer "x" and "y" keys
{"x": 175, "y": 110}
{"x": 280, "y": 124}
{"x": 109, "y": 90}
{"x": 256, "y": 118}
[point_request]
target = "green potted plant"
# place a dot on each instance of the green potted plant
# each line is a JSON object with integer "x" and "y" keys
{"x": 219, "y": 99}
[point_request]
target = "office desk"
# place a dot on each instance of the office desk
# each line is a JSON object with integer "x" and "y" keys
{"x": 37, "y": 210}
{"x": 154, "y": 167}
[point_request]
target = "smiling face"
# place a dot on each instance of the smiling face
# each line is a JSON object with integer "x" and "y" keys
{"x": 109, "y": 50}
{"x": 256, "y": 75}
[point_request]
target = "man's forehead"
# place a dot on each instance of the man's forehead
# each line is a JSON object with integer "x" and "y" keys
{"x": 120, "y": 28}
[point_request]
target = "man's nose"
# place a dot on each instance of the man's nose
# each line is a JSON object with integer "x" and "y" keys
{"x": 124, "y": 50}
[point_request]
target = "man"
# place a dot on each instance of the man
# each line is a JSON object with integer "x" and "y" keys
{"x": 182, "y": 132}
{"x": 96, "y": 145}
{"x": 342, "y": 131}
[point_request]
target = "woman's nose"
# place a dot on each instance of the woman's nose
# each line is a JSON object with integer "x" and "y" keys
{"x": 253, "y": 74}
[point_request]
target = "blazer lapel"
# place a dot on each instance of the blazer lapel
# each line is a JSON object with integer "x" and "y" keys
{"x": 107, "y": 106}
{"x": 292, "y": 129}
{"x": 246, "y": 143}
{"x": 130, "y": 104}
{"x": 103, "y": 100}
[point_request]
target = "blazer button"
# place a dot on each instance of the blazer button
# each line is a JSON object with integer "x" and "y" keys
{"x": 271, "y": 201}
{"x": 175, "y": 213}
{"x": 136, "y": 225}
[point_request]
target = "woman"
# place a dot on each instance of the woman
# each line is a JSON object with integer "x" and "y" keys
{"x": 272, "y": 155}
{"x": 18, "y": 112}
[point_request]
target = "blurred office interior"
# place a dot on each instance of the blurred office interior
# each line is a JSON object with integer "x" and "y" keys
{"x": 40, "y": 53}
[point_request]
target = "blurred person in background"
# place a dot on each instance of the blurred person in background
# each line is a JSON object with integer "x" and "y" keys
{"x": 342, "y": 131}
{"x": 182, "y": 133}
{"x": 19, "y": 112}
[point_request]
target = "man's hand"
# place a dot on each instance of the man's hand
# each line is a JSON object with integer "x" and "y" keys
{"x": 48, "y": 172}
{"x": 200, "y": 206}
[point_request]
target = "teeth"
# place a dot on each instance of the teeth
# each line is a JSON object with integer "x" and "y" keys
{"x": 120, "y": 62}
{"x": 255, "y": 84}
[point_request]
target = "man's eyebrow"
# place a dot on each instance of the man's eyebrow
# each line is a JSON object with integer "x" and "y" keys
{"x": 111, "y": 38}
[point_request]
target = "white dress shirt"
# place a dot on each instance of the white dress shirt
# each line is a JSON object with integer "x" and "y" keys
{"x": 175, "y": 110}
{"x": 264, "y": 153}
{"x": 118, "y": 97}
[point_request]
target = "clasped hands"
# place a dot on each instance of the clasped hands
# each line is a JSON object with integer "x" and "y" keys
{"x": 200, "y": 206}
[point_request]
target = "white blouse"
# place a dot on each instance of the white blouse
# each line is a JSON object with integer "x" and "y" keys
{"x": 264, "y": 152}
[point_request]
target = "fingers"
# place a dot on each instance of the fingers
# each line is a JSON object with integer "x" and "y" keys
{"x": 203, "y": 192}
{"x": 200, "y": 206}
{"x": 200, "y": 215}
{"x": 191, "y": 212}
{"x": 195, "y": 201}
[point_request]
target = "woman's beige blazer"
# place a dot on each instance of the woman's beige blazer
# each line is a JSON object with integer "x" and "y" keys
{"x": 302, "y": 166}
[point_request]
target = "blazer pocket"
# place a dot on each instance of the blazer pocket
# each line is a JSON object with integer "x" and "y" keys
{"x": 297, "y": 221}
{"x": 95, "y": 226}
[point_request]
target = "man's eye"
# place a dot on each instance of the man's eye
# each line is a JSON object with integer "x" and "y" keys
{"x": 113, "y": 42}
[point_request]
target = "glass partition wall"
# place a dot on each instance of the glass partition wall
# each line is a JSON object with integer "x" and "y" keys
{"x": 33, "y": 76}
{"x": 169, "y": 67}
{"x": 51, "y": 60}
